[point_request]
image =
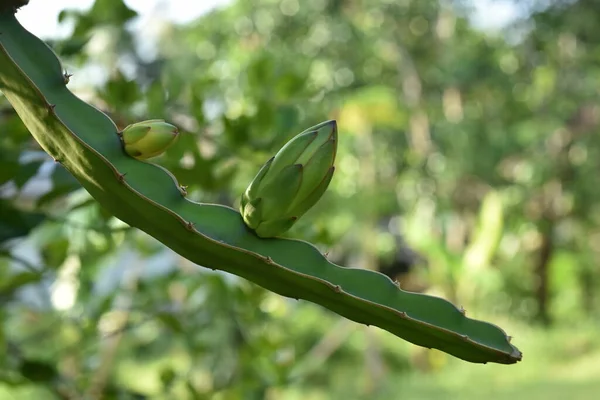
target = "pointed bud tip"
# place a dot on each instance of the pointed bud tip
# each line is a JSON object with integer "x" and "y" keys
{"x": 333, "y": 125}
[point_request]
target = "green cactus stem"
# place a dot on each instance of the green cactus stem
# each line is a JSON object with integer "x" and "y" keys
{"x": 86, "y": 142}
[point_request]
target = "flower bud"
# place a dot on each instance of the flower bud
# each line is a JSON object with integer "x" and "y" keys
{"x": 148, "y": 139}
{"x": 290, "y": 183}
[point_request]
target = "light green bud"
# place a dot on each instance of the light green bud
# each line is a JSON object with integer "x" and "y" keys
{"x": 148, "y": 139}
{"x": 290, "y": 183}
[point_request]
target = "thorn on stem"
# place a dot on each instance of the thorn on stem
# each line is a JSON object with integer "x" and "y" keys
{"x": 121, "y": 177}
{"x": 51, "y": 108}
{"x": 67, "y": 77}
{"x": 463, "y": 311}
{"x": 403, "y": 314}
{"x": 337, "y": 289}
{"x": 189, "y": 226}
{"x": 183, "y": 190}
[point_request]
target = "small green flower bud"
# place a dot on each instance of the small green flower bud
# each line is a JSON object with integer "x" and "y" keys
{"x": 290, "y": 183}
{"x": 148, "y": 139}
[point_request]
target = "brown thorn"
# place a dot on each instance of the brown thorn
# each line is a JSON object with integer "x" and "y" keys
{"x": 183, "y": 190}
{"x": 67, "y": 77}
{"x": 337, "y": 289}
{"x": 51, "y": 108}
{"x": 189, "y": 226}
{"x": 121, "y": 177}
{"x": 403, "y": 314}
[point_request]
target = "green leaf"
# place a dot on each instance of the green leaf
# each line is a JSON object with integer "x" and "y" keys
{"x": 8, "y": 166}
{"x": 120, "y": 91}
{"x": 63, "y": 183}
{"x": 167, "y": 377}
{"x": 18, "y": 280}
{"x": 55, "y": 252}
{"x": 26, "y": 172}
{"x": 38, "y": 371}
{"x": 15, "y": 223}
{"x": 171, "y": 321}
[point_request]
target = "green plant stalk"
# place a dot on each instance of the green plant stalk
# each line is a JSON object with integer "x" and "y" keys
{"x": 86, "y": 143}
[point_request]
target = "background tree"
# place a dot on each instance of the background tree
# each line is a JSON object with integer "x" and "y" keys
{"x": 467, "y": 168}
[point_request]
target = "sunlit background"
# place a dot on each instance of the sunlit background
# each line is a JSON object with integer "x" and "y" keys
{"x": 467, "y": 169}
{"x": 487, "y": 14}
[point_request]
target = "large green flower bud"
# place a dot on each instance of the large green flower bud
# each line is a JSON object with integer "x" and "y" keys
{"x": 290, "y": 183}
{"x": 148, "y": 139}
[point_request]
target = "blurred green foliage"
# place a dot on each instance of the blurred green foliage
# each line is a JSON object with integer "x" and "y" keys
{"x": 467, "y": 168}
